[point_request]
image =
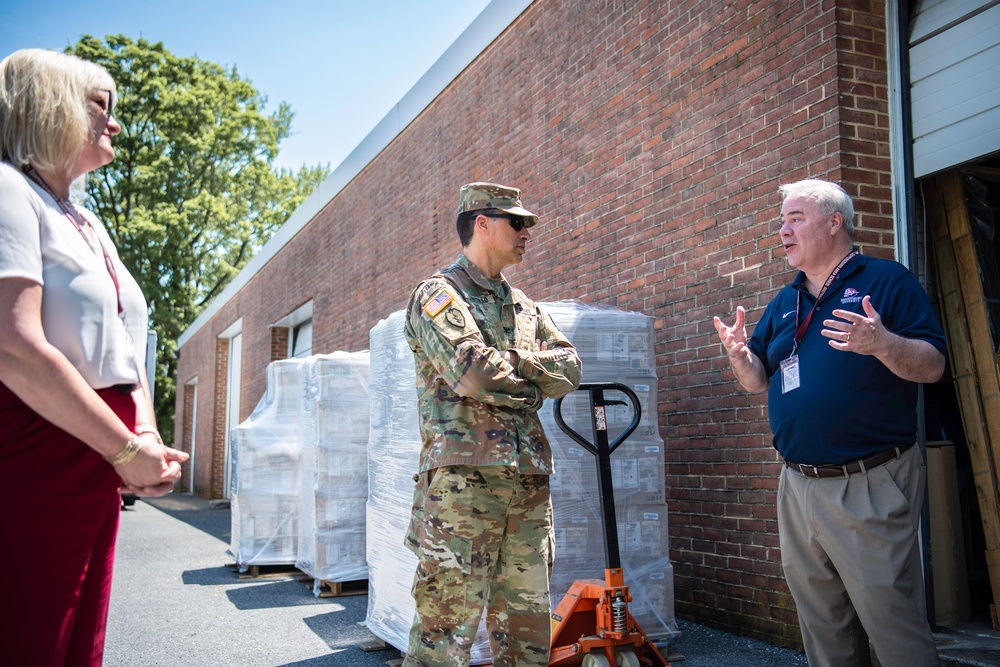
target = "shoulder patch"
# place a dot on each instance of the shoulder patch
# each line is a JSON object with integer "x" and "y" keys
{"x": 438, "y": 303}
{"x": 455, "y": 317}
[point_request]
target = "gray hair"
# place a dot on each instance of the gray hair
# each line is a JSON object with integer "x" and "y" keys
{"x": 831, "y": 198}
{"x": 44, "y": 119}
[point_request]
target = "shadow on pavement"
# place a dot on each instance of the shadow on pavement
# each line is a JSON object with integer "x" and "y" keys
{"x": 197, "y": 512}
{"x": 340, "y": 629}
{"x": 346, "y": 658}
{"x": 273, "y": 595}
{"x": 208, "y": 576}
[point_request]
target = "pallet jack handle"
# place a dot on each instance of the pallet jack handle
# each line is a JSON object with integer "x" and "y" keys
{"x": 602, "y": 450}
{"x": 592, "y": 625}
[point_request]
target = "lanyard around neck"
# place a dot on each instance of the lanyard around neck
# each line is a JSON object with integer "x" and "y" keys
{"x": 800, "y": 327}
{"x": 74, "y": 216}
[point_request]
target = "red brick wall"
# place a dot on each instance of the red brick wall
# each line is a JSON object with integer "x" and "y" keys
{"x": 651, "y": 137}
{"x": 279, "y": 342}
{"x": 217, "y": 421}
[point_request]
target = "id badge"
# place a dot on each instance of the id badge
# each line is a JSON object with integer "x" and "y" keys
{"x": 790, "y": 374}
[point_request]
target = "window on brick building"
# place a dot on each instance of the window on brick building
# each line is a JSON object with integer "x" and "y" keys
{"x": 298, "y": 323}
{"x": 300, "y": 343}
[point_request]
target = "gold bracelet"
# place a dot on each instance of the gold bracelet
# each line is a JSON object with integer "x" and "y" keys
{"x": 148, "y": 428}
{"x": 132, "y": 448}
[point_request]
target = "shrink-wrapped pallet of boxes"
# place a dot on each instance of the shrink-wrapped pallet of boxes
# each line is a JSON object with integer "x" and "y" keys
{"x": 265, "y": 456}
{"x": 333, "y": 472}
{"x": 393, "y": 458}
{"x": 299, "y": 470}
{"x": 614, "y": 346}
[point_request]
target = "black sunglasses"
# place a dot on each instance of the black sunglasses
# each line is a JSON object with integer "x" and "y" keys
{"x": 516, "y": 222}
{"x": 107, "y": 111}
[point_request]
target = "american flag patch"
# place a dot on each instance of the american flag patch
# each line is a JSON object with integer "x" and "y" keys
{"x": 437, "y": 304}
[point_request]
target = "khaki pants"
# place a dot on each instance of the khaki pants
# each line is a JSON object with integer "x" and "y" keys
{"x": 483, "y": 537}
{"x": 849, "y": 549}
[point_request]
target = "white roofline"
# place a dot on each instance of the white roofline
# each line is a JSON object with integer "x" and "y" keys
{"x": 486, "y": 27}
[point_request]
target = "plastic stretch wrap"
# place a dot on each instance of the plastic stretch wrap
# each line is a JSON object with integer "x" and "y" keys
{"x": 299, "y": 469}
{"x": 615, "y": 346}
{"x": 333, "y": 473}
{"x": 266, "y": 454}
{"x": 393, "y": 458}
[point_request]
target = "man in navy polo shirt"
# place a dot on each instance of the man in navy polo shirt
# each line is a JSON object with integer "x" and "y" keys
{"x": 840, "y": 352}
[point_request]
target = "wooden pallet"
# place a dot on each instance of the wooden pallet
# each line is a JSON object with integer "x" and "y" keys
{"x": 336, "y": 589}
{"x": 373, "y": 645}
{"x": 377, "y": 644}
{"x": 266, "y": 571}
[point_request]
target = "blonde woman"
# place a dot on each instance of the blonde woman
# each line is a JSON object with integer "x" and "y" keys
{"x": 76, "y": 420}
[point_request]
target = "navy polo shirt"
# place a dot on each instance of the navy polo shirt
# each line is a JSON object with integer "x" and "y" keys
{"x": 849, "y": 406}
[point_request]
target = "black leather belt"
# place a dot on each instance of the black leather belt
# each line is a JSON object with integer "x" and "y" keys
{"x": 848, "y": 469}
{"x": 124, "y": 388}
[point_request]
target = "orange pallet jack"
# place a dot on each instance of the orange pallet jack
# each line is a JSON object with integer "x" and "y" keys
{"x": 592, "y": 625}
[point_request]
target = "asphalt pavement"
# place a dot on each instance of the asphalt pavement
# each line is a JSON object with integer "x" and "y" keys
{"x": 175, "y": 602}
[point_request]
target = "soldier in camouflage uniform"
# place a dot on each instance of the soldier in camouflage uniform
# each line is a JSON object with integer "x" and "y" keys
{"x": 486, "y": 358}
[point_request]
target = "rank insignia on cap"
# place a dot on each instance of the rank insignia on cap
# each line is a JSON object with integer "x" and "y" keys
{"x": 437, "y": 304}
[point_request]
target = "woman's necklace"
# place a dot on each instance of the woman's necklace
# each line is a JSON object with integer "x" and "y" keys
{"x": 70, "y": 212}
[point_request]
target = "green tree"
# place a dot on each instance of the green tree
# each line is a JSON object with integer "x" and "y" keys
{"x": 192, "y": 193}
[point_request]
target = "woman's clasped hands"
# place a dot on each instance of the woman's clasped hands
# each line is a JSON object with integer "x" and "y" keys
{"x": 154, "y": 469}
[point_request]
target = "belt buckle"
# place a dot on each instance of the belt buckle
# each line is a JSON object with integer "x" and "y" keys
{"x": 815, "y": 471}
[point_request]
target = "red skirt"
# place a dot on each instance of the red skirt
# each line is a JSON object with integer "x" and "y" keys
{"x": 59, "y": 510}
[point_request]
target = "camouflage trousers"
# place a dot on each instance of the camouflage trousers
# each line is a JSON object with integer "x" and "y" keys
{"x": 483, "y": 537}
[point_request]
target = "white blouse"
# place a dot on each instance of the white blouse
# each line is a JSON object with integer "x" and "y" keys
{"x": 79, "y": 300}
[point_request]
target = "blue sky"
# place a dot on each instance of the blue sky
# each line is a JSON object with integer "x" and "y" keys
{"x": 340, "y": 64}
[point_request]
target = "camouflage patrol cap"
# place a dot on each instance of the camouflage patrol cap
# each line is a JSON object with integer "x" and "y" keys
{"x": 476, "y": 196}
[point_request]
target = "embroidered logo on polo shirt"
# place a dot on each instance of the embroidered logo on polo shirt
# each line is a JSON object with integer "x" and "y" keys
{"x": 851, "y": 295}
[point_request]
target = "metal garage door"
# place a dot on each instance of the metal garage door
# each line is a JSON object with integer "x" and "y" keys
{"x": 955, "y": 78}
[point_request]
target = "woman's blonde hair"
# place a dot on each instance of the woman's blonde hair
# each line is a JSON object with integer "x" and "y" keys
{"x": 44, "y": 120}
